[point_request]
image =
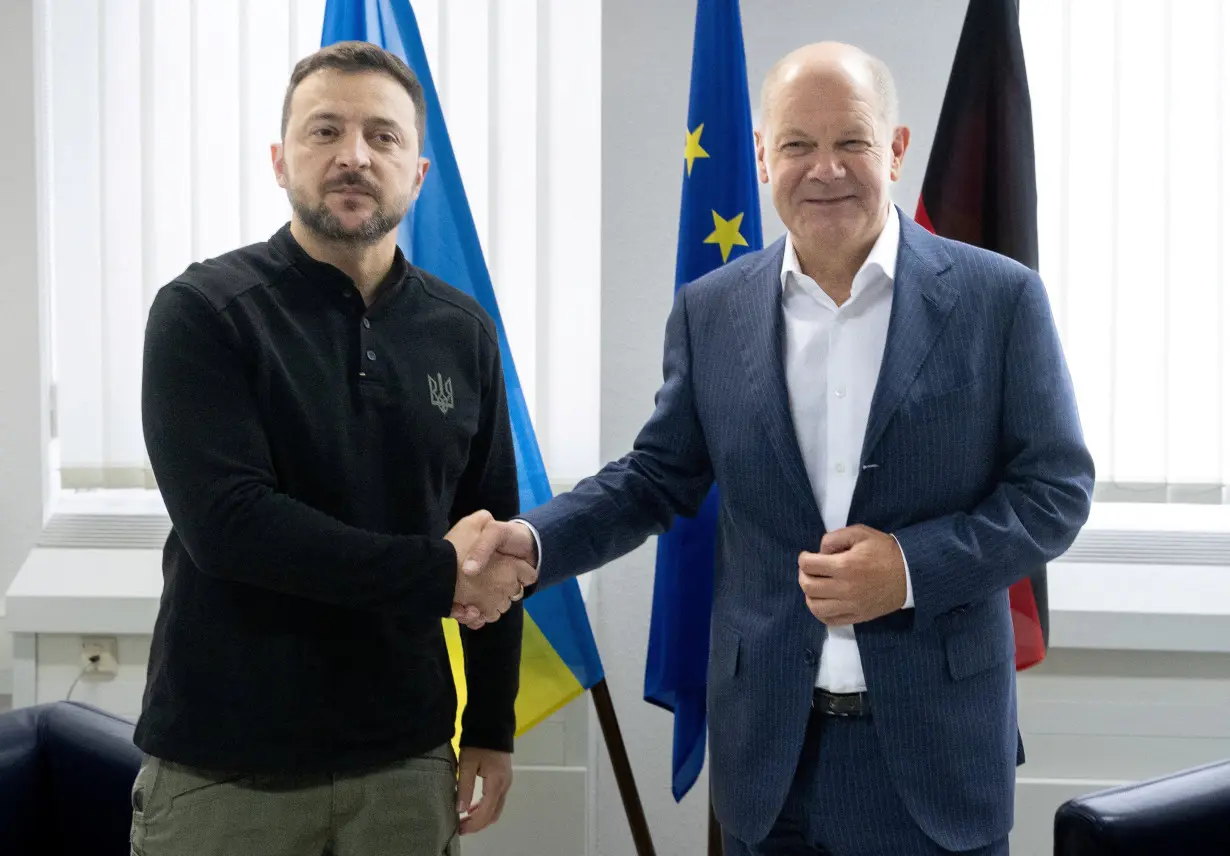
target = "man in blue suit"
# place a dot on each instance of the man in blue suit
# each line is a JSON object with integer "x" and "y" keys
{"x": 893, "y": 429}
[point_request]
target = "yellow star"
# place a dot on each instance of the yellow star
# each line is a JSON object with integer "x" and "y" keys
{"x": 692, "y": 149}
{"x": 726, "y": 234}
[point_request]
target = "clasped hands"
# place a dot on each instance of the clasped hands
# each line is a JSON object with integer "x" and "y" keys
{"x": 858, "y": 575}
{"x": 495, "y": 562}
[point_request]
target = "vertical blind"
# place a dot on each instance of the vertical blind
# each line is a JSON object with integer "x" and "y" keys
{"x": 160, "y": 117}
{"x": 1132, "y": 130}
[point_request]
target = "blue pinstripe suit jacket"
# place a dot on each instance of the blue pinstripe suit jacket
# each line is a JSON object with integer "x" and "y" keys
{"x": 979, "y": 468}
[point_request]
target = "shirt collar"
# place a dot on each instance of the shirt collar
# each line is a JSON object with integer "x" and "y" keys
{"x": 883, "y": 256}
{"x": 317, "y": 271}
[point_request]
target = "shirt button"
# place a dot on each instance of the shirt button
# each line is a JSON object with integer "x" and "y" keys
{"x": 371, "y": 355}
{"x": 367, "y": 323}
{"x": 841, "y": 468}
{"x": 840, "y": 392}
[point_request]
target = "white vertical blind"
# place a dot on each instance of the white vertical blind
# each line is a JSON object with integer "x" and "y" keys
{"x": 1132, "y": 129}
{"x": 161, "y": 117}
{"x": 514, "y": 169}
{"x": 76, "y": 234}
{"x": 570, "y": 163}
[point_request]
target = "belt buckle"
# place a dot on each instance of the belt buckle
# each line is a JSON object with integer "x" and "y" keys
{"x": 843, "y": 705}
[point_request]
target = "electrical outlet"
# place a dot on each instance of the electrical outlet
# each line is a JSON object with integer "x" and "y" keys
{"x": 100, "y": 655}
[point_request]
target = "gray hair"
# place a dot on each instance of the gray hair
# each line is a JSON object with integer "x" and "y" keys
{"x": 886, "y": 89}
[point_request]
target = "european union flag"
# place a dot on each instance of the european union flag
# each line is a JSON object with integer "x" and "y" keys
{"x": 559, "y": 659}
{"x": 719, "y": 220}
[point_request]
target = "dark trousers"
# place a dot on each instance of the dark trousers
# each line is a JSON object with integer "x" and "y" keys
{"x": 843, "y": 803}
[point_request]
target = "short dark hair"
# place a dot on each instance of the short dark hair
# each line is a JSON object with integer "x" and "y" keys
{"x": 359, "y": 58}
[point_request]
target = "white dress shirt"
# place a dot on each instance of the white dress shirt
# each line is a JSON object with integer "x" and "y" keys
{"x": 832, "y": 360}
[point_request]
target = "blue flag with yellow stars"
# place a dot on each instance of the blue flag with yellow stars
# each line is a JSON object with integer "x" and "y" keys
{"x": 719, "y": 220}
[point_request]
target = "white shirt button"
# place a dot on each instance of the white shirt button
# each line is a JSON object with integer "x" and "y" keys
{"x": 841, "y": 468}
{"x": 840, "y": 392}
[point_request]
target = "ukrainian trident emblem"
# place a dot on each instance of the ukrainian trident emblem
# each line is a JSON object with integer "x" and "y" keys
{"x": 441, "y": 392}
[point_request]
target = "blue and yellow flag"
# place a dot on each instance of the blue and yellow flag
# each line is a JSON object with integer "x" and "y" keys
{"x": 719, "y": 220}
{"x": 559, "y": 659}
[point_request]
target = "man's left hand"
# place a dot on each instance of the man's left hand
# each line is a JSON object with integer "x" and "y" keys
{"x": 858, "y": 575}
{"x": 495, "y": 769}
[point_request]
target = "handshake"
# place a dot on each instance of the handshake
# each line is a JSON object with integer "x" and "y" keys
{"x": 495, "y": 562}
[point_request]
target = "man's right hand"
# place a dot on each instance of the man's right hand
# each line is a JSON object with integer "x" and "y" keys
{"x": 486, "y": 590}
{"x": 465, "y": 533}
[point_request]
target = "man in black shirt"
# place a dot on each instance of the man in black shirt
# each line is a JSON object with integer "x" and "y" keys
{"x": 325, "y": 422}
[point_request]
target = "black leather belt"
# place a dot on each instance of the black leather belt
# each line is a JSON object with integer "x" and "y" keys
{"x": 841, "y": 704}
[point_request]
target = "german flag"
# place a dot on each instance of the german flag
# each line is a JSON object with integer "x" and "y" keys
{"x": 979, "y": 189}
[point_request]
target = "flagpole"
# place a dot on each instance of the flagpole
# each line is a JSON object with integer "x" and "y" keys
{"x": 623, "y": 768}
{"x": 715, "y": 833}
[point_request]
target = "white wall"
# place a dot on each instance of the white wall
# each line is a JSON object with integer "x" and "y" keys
{"x": 22, "y": 423}
{"x": 647, "y": 47}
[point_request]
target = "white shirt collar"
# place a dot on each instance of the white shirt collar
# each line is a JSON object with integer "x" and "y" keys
{"x": 883, "y": 256}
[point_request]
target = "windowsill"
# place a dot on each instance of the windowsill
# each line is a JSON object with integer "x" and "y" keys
{"x": 108, "y": 503}
{"x": 1116, "y": 533}
{"x": 142, "y": 503}
{"x": 1168, "y": 517}
{"x": 132, "y": 519}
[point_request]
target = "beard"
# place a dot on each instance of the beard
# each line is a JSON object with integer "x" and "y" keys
{"x": 325, "y": 224}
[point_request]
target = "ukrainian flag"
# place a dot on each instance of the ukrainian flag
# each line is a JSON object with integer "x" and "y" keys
{"x": 559, "y": 659}
{"x": 719, "y": 220}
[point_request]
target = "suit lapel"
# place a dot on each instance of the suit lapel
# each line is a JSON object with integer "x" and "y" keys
{"x": 756, "y": 316}
{"x": 921, "y": 304}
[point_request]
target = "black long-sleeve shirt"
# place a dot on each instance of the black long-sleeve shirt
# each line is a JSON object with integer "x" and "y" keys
{"x": 312, "y": 452}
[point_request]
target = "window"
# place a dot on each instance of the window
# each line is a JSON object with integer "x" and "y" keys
{"x": 1132, "y": 131}
{"x": 160, "y": 117}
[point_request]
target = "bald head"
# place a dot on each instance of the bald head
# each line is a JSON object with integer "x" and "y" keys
{"x": 833, "y": 60}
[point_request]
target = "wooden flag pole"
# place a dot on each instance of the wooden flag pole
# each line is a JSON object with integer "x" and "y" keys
{"x": 623, "y": 769}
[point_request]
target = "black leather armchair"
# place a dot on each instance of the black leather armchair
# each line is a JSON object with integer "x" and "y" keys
{"x": 66, "y": 775}
{"x": 1184, "y": 814}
